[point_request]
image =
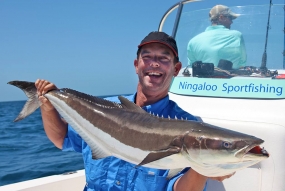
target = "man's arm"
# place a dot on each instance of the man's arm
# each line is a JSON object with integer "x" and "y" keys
{"x": 190, "y": 54}
{"x": 242, "y": 53}
{"x": 55, "y": 127}
{"x": 193, "y": 181}
{"x": 190, "y": 181}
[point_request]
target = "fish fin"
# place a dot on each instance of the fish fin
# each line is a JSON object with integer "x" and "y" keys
{"x": 174, "y": 148}
{"x": 156, "y": 155}
{"x": 173, "y": 172}
{"x": 92, "y": 99}
{"x": 130, "y": 105}
{"x": 32, "y": 103}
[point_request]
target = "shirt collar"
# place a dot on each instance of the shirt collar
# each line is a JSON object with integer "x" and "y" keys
{"x": 213, "y": 27}
{"x": 155, "y": 108}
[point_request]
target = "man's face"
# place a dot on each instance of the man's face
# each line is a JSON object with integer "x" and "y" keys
{"x": 155, "y": 68}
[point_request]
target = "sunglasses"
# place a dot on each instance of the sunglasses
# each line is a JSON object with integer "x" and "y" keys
{"x": 229, "y": 17}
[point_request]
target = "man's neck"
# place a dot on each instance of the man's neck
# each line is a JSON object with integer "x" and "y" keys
{"x": 144, "y": 99}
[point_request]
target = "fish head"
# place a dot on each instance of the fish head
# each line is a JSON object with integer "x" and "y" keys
{"x": 215, "y": 145}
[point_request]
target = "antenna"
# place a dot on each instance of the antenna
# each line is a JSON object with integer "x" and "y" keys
{"x": 264, "y": 56}
{"x": 284, "y": 38}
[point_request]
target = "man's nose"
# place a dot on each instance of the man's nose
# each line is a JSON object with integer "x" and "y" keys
{"x": 154, "y": 63}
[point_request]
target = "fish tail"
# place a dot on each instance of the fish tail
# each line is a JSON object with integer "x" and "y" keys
{"x": 32, "y": 103}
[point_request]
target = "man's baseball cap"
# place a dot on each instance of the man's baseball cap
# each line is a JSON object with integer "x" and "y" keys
{"x": 218, "y": 10}
{"x": 162, "y": 38}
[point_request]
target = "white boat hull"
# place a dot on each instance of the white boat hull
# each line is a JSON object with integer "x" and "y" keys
{"x": 261, "y": 118}
{"x": 73, "y": 181}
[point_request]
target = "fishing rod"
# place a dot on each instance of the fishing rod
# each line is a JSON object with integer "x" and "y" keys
{"x": 264, "y": 56}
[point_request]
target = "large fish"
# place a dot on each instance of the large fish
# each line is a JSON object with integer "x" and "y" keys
{"x": 128, "y": 132}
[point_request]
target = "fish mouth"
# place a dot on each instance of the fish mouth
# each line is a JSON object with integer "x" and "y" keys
{"x": 252, "y": 152}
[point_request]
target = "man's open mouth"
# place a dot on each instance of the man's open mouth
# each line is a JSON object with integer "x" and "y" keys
{"x": 154, "y": 74}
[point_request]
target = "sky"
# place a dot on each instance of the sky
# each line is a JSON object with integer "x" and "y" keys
{"x": 89, "y": 45}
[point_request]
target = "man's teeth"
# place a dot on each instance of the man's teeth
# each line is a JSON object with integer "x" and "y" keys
{"x": 153, "y": 74}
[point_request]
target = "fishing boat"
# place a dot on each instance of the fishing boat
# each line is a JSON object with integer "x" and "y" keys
{"x": 250, "y": 99}
{"x": 225, "y": 101}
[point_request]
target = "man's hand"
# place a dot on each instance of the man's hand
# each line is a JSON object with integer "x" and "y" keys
{"x": 43, "y": 86}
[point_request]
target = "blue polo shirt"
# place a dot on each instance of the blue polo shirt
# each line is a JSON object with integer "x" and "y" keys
{"x": 215, "y": 43}
{"x": 114, "y": 174}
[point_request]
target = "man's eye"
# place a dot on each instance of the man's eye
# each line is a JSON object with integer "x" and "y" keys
{"x": 146, "y": 57}
{"x": 164, "y": 59}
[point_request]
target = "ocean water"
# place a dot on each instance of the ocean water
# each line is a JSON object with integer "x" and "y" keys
{"x": 26, "y": 152}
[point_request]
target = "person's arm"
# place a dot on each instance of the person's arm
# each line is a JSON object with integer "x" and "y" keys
{"x": 54, "y": 126}
{"x": 242, "y": 53}
{"x": 190, "y": 54}
{"x": 190, "y": 181}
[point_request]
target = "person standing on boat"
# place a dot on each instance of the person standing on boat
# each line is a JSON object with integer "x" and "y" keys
{"x": 156, "y": 64}
{"x": 218, "y": 42}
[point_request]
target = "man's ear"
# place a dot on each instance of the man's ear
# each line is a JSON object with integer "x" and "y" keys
{"x": 136, "y": 65}
{"x": 177, "y": 68}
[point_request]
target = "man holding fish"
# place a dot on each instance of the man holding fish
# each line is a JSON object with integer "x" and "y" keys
{"x": 156, "y": 64}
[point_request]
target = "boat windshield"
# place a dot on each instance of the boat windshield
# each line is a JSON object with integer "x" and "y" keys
{"x": 256, "y": 40}
{"x": 247, "y": 41}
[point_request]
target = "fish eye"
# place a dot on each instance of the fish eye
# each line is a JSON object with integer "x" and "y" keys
{"x": 227, "y": 145}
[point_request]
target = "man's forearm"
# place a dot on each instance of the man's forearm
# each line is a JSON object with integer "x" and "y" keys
{"x": 55, "y": 127}
{"x": 190, "y": 181}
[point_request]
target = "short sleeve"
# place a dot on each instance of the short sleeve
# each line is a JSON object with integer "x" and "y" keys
{"x": 72, "y": 141}
{"x": 190, "y": 56}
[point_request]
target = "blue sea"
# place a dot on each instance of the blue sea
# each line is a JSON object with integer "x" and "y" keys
{"x": 26, "y": 152}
